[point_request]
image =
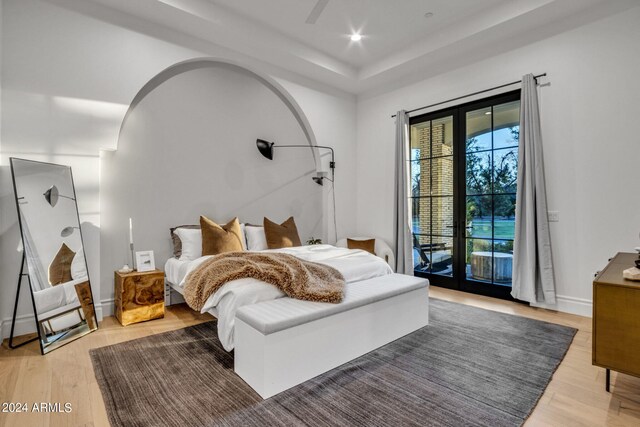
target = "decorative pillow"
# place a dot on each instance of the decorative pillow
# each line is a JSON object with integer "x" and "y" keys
{"x": 218, "y": 239}
{"x": 177, "y": 244}
{"x": 78, "y": 266}
{"x": 243, "y": 234}
{"x": 190, "y": 243}
{"x": 366, "y": 245}
{"x": 284, "y": 235}
{"x": 60, "y": 267}
{"x": 256, "y": 240}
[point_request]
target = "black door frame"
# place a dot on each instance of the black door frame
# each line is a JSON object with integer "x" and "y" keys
{"x": 459, "y": 281}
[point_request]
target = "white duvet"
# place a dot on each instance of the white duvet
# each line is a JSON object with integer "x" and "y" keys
{"x": 355, "y": 265}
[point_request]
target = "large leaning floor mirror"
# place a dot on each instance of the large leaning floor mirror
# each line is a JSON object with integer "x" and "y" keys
{"x": 54, "y": 253}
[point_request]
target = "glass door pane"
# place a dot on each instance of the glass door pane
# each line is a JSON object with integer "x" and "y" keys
{"x": 432, "y": 184}
{"x": 491, "y": 145}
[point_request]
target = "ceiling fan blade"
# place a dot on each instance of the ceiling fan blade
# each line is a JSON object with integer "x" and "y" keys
{"x": 316, "y": 11}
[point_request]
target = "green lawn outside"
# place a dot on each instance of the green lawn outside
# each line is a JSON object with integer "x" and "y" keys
{"x": 504, "y": 228}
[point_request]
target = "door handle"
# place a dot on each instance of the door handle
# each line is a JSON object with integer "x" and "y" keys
{"x": 454, "y": 227}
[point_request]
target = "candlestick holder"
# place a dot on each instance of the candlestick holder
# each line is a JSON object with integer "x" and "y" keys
{"x": 133, "y": 258}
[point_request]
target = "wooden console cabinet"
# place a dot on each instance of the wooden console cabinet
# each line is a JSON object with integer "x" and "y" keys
{"x": 616, "y": 318}
{"x": 139, "y": 296}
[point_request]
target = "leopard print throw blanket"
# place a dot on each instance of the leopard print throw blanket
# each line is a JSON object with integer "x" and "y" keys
{"x": 298, "y": 279}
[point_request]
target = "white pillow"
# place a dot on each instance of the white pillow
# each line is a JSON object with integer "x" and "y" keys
{"x": 191, "y": 239}
{"x": 78, "y": 266}
{"x": 256, "y": 240}
{"x": 243, "y": 232}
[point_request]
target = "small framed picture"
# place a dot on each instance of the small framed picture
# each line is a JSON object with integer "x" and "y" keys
{"x": 145, "y": 261}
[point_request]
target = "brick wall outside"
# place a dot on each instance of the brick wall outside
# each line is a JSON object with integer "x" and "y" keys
{"x": 435, "y": 182}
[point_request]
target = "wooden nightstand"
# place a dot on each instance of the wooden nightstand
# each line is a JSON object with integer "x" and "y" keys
{"x": 139, "y": 296}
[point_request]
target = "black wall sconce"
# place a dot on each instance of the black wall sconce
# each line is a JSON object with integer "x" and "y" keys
{"x": 52, "y": 195}
{"x": 266, "y": 149}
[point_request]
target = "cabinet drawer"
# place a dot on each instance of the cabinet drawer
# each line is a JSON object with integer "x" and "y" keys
{"x": 616, "y": 328}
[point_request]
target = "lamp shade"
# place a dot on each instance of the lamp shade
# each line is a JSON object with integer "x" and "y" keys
{"x": 67, "y": 231}
{"x": 51, "y": 195}
{"x": 265, "y": 148}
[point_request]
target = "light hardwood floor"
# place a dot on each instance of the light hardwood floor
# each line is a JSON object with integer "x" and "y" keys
{"x": 575, "y": 396}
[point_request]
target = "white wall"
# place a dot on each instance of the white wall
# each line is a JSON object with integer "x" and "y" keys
{"x": 69, "y": 71}
{"x": 333, "y": 121}
{"x": 188, "y": 149}
{"x": 67, "y": 78}
{"x": 591, "y": 146}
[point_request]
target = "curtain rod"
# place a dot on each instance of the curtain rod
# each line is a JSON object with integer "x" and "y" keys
{"x": 470, "y": 94}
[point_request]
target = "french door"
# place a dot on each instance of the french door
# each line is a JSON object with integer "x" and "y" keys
{"x": 464, "y": 163}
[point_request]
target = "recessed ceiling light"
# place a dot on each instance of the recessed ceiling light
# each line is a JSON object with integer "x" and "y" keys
{"x": 356, "y": 37}
{"x": 428, "y": 15}
{"x": 488, "y": 113}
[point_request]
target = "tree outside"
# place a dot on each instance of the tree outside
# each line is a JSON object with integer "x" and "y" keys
{"x": 491, "y": 179}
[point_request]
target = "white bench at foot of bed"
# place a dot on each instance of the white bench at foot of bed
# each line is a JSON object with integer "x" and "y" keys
{"x": 285, "y": 342}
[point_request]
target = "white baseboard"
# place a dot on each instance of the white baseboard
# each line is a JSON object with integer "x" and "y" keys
{"x": 108, "y": 307}
{"x": 25, "y": 324}
{"x": 571, "y": 305}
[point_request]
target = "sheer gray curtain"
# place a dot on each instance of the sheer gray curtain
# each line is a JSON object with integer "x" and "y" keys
{"x": 533, "y": 278}
{"x": 402, "y": 242}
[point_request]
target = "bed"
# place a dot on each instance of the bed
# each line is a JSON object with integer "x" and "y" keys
{"x": 355, "y": 266}
{"x": 280, "y": 342}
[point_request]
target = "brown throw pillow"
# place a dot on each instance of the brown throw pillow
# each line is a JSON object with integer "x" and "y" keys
{"x": 177, "y": 243}
{"x": 60, "y": 267}
{"x": 218, "y": 239}
{"x": 365, "y": 245}
{"x": 284, "y": 235}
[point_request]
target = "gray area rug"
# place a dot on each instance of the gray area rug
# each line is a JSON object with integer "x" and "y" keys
{"x": 468, "y": 367}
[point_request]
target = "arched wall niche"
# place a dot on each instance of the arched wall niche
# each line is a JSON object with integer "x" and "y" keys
{"x": 198, "y": 63}
{"x": 187, "y": 148}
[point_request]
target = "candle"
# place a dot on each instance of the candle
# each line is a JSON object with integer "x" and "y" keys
{"x": 130, "y": 231}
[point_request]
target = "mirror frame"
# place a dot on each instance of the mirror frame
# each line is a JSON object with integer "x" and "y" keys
{"x": 25, "y": 259}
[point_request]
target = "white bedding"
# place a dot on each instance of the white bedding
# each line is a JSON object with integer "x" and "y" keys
{"x": 54, "y": 297}
{"x": 355, "y": 265}
{"x": 51, "y": 300}
{"x": 176, "y": 270}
